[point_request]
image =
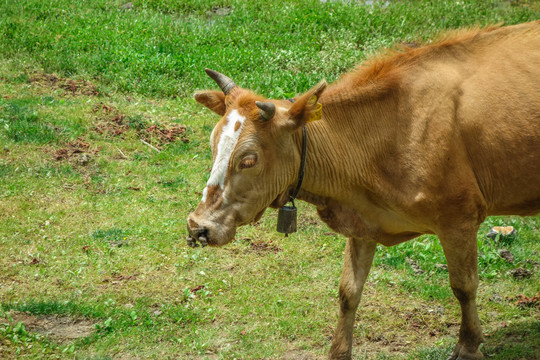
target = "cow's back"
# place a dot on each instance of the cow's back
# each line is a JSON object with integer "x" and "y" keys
{"x": 499, "y": 116}
{"x": 472, "y": 110}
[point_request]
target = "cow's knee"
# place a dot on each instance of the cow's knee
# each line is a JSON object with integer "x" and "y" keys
{"x": 349, "y": 299}
{"x": 465, "y": 292}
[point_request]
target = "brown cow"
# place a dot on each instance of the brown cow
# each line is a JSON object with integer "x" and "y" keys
{"x": 426, "y": 140}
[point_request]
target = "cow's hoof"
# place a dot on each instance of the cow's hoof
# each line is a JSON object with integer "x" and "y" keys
{"x": 461, "y": 353}
{"x": 470, "y": 356}
{"x": 458, "y": 357}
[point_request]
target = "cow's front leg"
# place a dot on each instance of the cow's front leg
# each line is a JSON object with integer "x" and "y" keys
{"x": 461, "y": 251}
{"x": 358, "y": 259}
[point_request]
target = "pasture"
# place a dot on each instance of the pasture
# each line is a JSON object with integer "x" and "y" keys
{"x": 103, "y": 153}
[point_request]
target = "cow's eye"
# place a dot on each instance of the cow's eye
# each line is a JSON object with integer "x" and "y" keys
{"x": 248, "y": 161}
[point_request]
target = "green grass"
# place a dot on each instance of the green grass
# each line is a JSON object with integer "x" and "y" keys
{"x": 103, "y": 238}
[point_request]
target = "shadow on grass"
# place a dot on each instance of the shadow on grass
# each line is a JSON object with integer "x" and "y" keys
{"x": 519, "y": 341}
{"x": 514, "y": 342}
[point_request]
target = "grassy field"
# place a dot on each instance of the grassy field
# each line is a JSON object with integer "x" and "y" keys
{"x": 103, "y": 153}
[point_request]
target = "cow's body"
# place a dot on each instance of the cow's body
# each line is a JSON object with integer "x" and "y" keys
{"x": 455, "y": 138}
{"x": 429, "y": 140}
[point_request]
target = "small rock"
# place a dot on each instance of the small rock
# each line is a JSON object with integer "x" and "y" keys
{"x": 443, "y": 267}
{"x": 127, "y": 6}
{"x": 437, "y": 310}
{"x": 496, "y": 298}
{"x": 507, "y": 256}
{"x": 502, "y": 232}
{"x": 84, "y": 159}
{"x": 414, "y": 266}
{"x": 521, "y": 273}
{"x": 220, "y": 11}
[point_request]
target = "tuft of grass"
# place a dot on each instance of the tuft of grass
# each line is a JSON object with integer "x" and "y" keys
{"x": 22, "y": 123}
{"x": 109, "y": 235}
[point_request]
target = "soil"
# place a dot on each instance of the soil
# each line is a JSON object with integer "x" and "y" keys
{"x": 75, "y": 87}
{"x": 59, "y": 328}
{"x": 521, "y": 273}
{"x": 299, "y": 355}
{"x": 524, "y": 301}
{"x": 78, "y": 150}
{"x": 261, "y": 247}
{"x": 112, "y": 122}
{"x": 109, "y": 120}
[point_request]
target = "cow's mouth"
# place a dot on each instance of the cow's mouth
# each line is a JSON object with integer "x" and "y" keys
{"x": 203, "y": 233}
{"x": 201, "y": 237}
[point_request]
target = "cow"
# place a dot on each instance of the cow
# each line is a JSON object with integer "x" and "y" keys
{"x": 417, "y": 140}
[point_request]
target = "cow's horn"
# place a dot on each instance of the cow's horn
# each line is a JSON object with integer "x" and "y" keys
{"x": 267, "y": 109}
{"x": 224, "y": 82}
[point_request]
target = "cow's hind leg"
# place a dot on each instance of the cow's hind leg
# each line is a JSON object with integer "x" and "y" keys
{"x": 358, "y": 259}
{"x": 460, "y": 249}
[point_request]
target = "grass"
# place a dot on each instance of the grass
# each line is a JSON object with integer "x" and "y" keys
{"x": 92, "y": 220}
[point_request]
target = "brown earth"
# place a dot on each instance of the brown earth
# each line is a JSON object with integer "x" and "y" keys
{"x": 75, "y": 87}
{"x": 111, "y": 121}
{"x": 59, "y": 328}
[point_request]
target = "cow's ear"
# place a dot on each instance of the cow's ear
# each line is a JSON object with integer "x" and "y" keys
{"x": 214, "y": 100}
{"x": 306, "y": 107}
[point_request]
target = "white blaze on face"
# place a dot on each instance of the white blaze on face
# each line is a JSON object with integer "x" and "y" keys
{"x": 227, "y": 142}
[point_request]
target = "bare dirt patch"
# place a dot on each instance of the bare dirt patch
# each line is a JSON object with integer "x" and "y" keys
{"x": 78, "y": 150}
{"x": 111, "y": 121}
{"x": 521, "y": 273}
{"x": 75, "y": 87}
{"x": 59, "y": 328}
{"x": 524, "y": 301}
{"x": 300, "y": 355}
{"x": 119, "y": 278}
{"x": 166, "y": 134}
{"x": 261, "y": 247}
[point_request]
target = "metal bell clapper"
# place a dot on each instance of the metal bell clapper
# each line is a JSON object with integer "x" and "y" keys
{"x": 286, "y": 223}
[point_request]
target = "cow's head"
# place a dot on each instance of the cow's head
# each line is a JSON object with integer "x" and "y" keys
{"x": 256, "y": 150}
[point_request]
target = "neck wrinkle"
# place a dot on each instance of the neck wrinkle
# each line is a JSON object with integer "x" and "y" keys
{"x": 342, "y": 150}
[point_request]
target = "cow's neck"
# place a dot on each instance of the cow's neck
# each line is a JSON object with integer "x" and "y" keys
{"x": 344, "y": 155}
{"x": 346, "y": 146}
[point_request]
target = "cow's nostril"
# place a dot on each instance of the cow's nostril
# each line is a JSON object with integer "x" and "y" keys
{"x": 203, "y": 240}
{"x": 203, "y": 237}
{"x": 196, "y": 233}
{"x": 202, "y": 232}
{"x": 191, "y": 242}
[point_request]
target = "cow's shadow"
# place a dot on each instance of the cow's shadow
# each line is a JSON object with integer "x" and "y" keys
{"x": 516, "y": 341}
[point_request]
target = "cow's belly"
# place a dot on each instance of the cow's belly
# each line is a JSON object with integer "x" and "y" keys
{"x": 380, "y": 225}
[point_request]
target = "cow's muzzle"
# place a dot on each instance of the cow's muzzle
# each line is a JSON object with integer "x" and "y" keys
{"x": 196, "y": 233}
{"x": 192, "y": 242}
{"x": 211, "y": 227}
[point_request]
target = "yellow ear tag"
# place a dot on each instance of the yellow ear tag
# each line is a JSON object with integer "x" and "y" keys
{"x": 316, "y": 114}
